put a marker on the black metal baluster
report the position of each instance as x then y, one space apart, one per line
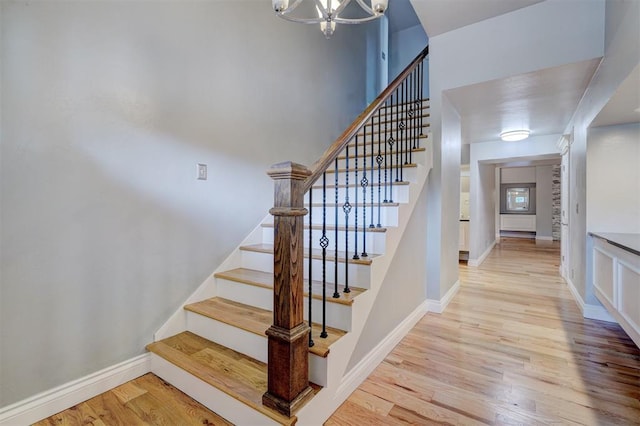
390 142
398 122
422 133
346 208
373 133
336 295
379 160
386 135
363 183
355 252
324 243
311 342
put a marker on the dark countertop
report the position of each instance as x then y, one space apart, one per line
628 242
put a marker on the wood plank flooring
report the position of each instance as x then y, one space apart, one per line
511 348
147 400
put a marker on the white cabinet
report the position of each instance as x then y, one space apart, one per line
518 222
616 282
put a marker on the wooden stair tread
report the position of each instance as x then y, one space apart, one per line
233 373
265 280
328 227
257 321
315 253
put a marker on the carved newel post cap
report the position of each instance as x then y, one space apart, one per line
289 170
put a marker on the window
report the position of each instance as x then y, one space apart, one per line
517 199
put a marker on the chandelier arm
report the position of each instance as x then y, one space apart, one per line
366 7
340 8
354 21
302 20
290 9
323 11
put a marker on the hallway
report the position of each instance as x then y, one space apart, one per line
511 348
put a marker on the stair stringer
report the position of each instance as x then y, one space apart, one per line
177 322
340 383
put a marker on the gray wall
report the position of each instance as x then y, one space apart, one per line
544 202
108 106
404 46
403 289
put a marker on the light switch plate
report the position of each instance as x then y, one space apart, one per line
202 172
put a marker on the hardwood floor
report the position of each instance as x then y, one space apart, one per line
147 400
511 348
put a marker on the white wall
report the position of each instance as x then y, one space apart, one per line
613 179
506 45
621 56
518 175
403 289
107 108
444 203
544 202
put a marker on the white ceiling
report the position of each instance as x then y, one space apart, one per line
542 101
624 106
440 16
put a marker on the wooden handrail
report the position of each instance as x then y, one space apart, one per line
320 166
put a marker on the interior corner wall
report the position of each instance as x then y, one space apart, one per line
544 202
393 306
483 194
444 200
107 108
404 46
621 56
613 179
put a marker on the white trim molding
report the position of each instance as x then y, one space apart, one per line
365 367
438 306
55 400
594 312
477 262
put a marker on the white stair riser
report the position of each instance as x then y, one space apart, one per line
388 216
375 240
408 174
338 315
396 193
359 275
247 343
392 115
214 399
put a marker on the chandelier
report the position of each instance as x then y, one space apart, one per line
329 12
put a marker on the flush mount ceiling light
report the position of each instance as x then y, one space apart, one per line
329 12
514 135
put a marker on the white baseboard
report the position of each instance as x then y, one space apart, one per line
365 367
55 400
595 312
544 238
438 306
477 262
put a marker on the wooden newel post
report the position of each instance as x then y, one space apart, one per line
288 363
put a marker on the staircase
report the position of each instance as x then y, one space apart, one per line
216 348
